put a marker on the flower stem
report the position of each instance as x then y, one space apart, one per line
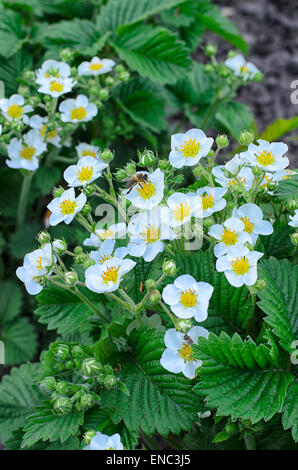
23 200
250 442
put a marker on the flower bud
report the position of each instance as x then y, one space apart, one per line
67 55
43 237
109 381
208 222
147 158
164 164
259 77
78 351
88 436
109 81
154 297
257 171
88 262
150 284
210 49
232 54
78 250
130 169
124 76
61 351
33 100
103 94
59 246
63 405
85 402
58 191
48 383
292 204
246 138
107 155
222 141
260 284
119 68
71 278
89 190
23 90
86 209
62 388
120 175
169 268
183 324
107 370
91 367
231 428
271 185
29 76
69 365
294 238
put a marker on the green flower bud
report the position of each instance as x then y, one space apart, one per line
249 246
103 94
88 262
78 351
209 68
120 175
109 81
86 209
61 352
23 90
164 165
80 258
294 238
109 381
69 365
62 388
257 171
85 402
183 324
259 77
48 383
119 68
67 55
124 76
33 100
63 405
78 250
154 297
58 191
232 54
292 204
107 155
271 185
88 436
260 284
169 268
211 49
91 367
147 158
150 284
89 190
107 370
71 278
246 138
59 246
130 169
231 428
29 76
43 237
208 222
222 141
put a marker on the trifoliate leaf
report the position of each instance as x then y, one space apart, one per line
11 32
290 411
279 300
240 379
287 189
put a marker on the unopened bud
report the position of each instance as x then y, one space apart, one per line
292 204
260 284
147 158
91 367
89 190
59 246
154 297
231 428
33 100
130 169
88 262
109 81
120 175
23 90
169 268
88 436
246 138
208 222
48 383
164 164
183 324
124 76
62 388
71 278
150 284
67 54
210 49
58 191
63 405
43 237
259 77
257 170
86 209
109 381
103 94
107 155
222 141
61 351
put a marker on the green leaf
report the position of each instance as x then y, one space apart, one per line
279 300
290 411
143 102
278 244
162 402
62 310
229 308
45 180
225 116
196 89
124 12
10 301
24 240
18 395
221 437
279 128
44 425
240 379
10 71
11 33
287 189
153 52
211 18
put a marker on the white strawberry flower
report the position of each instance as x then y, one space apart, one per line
147 231
182 207
40 123
77 110
106 277
252 217
239 266
52 70
241 67
96 66
188 298
294 219
87 169
230 234
178 357
36 264
14 108
112 232
212 199
147 194
56 86
106 251
233 172
104 442
86 150
24 153
65 207
266 155
188 149
283 175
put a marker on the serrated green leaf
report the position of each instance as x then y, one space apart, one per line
45 180
11 32
18 395
153 52
240 379
45 425
287 189
162 402
196 89
225 116
290 411
279 128
11 69
278 244
123 12
20 341
279 300
10 301
24 240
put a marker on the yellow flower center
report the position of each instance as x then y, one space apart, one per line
242 179
182 211
78 113
107 233
56 86
146 189
110 275
15 111
244 68
186 352
240 266
85 173
188 298
229 237
104 258
95 66
50 135
248 225
39 264
288 175
265 158
207 202
190 148
151 234
267 181
27 152
67 207
233 182
88 153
